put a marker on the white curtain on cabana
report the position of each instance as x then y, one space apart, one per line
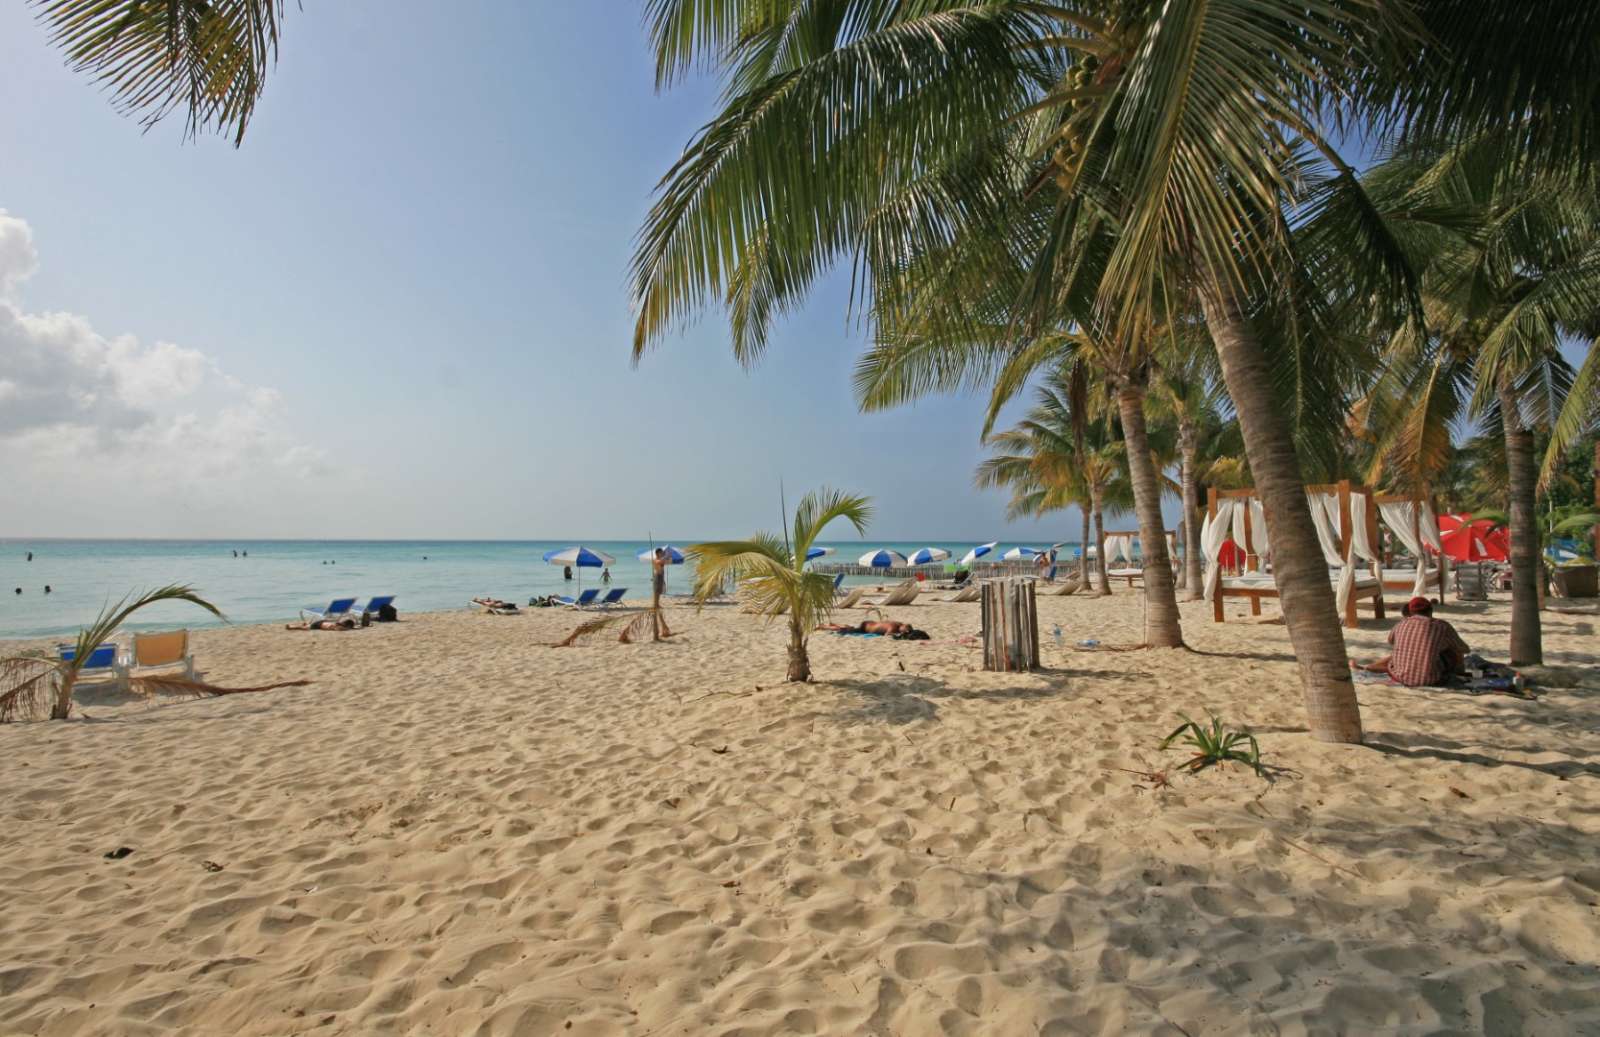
1258 529
1403 521
1428 530
1213 534
1325 514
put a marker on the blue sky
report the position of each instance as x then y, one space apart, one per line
401 308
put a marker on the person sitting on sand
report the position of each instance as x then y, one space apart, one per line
1426 650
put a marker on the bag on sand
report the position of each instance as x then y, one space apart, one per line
388 614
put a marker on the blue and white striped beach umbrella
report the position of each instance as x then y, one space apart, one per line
1019 553
882 558
818 552
926 555
674 556
978 552
583 557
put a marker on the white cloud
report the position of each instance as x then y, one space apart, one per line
156 424
18 259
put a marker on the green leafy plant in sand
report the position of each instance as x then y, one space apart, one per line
1215 744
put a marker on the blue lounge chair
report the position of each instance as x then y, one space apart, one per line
582 601
613 597
338 608
102 664
374 604
838 581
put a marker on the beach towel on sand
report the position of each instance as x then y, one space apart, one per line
1490 683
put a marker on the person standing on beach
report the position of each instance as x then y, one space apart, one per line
658 576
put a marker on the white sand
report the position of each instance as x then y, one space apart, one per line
457 830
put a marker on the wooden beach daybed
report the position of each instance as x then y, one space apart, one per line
1347 542
1121 543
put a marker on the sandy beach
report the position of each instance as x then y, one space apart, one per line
458 830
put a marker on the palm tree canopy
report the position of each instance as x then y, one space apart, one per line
208 57
770 569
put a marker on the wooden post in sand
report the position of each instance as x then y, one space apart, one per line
1010 625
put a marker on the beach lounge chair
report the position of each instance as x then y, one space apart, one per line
904 594
582 601
338 608
373 605
158 651
613 597
851 600
971 592
102 664
838 582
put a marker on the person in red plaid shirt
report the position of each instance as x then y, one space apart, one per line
1426 650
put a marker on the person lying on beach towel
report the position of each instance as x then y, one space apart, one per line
496 606
347 623
886 627
1426 650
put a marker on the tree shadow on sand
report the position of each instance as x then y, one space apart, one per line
907 698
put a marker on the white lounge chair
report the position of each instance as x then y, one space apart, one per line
851 600
904 594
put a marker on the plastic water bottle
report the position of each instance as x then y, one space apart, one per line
1057 633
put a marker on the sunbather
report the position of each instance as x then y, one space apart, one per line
887 627
1426 650
347 623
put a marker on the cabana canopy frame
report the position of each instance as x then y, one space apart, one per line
1264 587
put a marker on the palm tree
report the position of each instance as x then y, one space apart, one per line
208 57
31 682
1515 272
1186 390
1059 456
891 129
772 574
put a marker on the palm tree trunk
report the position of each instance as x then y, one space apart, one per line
799 661
1188 450
1100 542
61 709
1083 553
1301 573
1527 648
1162 628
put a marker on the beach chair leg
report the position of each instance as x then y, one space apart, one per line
1255 604
1216 607
1350 620
1378 605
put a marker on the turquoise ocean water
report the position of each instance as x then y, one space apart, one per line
272 580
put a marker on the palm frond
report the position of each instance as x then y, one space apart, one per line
27 687
209 57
